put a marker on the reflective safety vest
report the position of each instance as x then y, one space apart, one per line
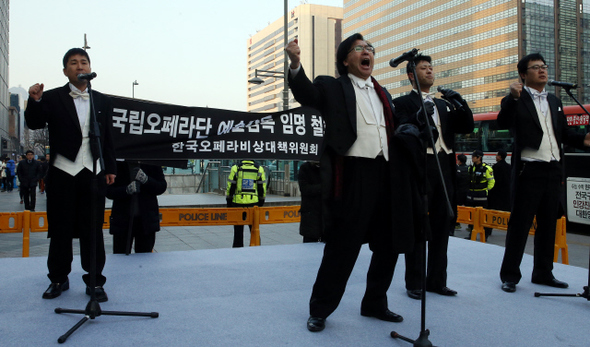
481 177
246 183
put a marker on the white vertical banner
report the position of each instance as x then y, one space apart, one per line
578 200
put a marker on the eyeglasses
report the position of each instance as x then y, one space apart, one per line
538 67
360 48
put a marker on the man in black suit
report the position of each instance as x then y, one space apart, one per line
66 112
539 127
357 164
29 173
449 120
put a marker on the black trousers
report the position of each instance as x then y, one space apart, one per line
29 197
142 242
363 215
537 192
440 223
68 215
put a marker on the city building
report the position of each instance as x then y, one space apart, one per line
318 29
475 45
4 94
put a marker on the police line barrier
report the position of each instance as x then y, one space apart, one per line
481 218
26 222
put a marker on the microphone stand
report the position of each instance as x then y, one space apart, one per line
422 340
586 293
93 308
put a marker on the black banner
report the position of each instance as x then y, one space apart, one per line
149 130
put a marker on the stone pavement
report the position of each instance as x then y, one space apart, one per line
210 237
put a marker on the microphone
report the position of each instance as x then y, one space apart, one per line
453 101
565 85
406 56
86 76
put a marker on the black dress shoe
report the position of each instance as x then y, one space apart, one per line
415 293
552 283
443 291
54 290
385 315
509 287
101 295
316 324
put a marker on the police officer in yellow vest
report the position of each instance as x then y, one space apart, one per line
481 180
246 187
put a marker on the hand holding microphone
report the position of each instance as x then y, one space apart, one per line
452 96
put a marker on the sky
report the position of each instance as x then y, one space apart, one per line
183 52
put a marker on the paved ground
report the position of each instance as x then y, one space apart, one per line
210 237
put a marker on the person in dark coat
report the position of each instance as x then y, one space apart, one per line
359 164
29 174
310 185
135 206
499 196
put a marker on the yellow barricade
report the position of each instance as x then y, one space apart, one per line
480 218
11 222
26 222
206 216
561 242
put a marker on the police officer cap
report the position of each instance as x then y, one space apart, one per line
477 153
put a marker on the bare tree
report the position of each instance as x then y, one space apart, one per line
38 141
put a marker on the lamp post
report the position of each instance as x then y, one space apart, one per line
278 74
133 88
274 74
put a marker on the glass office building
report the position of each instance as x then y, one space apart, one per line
475 45
318 29
4 94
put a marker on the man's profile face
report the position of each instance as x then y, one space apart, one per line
77 64
425 74
360 64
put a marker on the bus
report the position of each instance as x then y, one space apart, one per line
488 138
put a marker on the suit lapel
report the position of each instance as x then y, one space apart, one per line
68 102
441 107
349 99
527 100
554 113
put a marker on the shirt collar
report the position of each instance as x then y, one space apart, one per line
361 83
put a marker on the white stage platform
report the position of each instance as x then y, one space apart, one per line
258 296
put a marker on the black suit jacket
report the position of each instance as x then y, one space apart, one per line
57 111
147 199
452 121
336 100
520 116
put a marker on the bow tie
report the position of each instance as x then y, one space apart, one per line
537 94
426 95
365 84
76 94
